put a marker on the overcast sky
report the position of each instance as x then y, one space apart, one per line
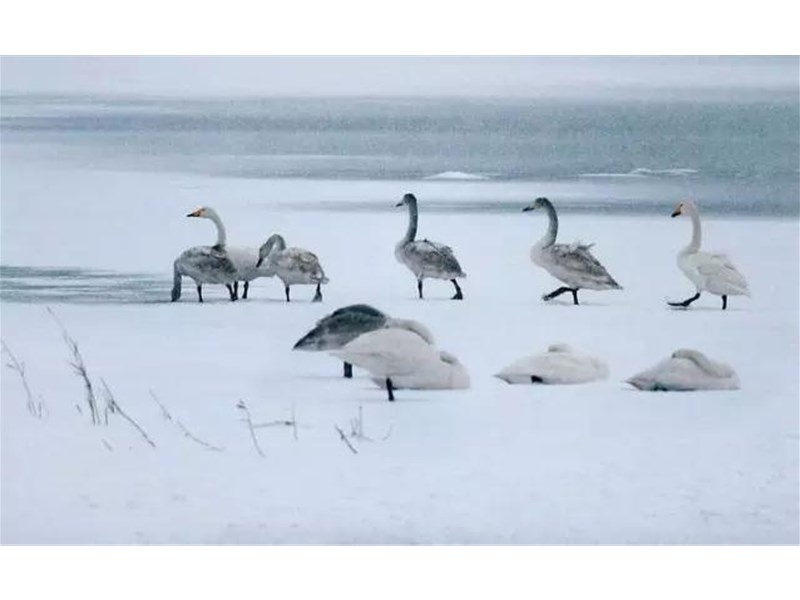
392 76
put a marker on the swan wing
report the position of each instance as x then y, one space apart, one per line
575 264
554 368
208 264
301 262
388 352
433 257
719 274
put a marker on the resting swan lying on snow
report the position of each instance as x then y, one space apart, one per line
347 323
398 355
559 365
686 370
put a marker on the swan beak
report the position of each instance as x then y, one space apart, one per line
676 212
399 204
260 260
197 213
528 208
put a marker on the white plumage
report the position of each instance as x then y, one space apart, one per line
686 370
559 365
713 273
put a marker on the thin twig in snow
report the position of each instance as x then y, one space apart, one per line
182 427
243 407
345 440
116 408
36 410
79 367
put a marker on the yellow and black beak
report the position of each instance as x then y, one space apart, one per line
197 213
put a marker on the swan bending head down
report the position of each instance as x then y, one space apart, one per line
686 370
292 265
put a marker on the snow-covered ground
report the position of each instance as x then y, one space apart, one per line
595 463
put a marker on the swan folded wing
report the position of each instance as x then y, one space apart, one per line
577 265
434 258
720 276
210 264
301 261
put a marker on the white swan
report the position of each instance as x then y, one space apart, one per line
684 371
559 365
292 265
347 323
712 273
205 264
571 263
245 259
392 354
426 258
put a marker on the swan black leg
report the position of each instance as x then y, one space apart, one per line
286 289
419 288
685 303
318 295
459 295
234 296
562 290
236 287
724 301
390 389
574 296
246 287
199 293
348 370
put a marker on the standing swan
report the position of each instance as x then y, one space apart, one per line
686 371
423 257
292 265
713 273
392 354
347 323
245 259
205 264
571 263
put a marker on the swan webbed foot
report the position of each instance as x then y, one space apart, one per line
317 295
390 389
458 295
562 290
348 370
684 303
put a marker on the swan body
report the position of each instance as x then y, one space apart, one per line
713 273
205 264
292 265
424 258
559 365
572 264
686 370
347 323
391 354
245 259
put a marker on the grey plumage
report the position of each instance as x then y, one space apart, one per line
342 326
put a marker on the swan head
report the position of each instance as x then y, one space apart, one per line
538 203
204 212
683 208
275 240
407 199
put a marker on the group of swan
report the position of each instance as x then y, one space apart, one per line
228 265
400 353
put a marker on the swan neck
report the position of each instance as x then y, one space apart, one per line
694 244
413 218
552 228
222 237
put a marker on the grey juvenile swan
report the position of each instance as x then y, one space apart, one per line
571 263
426 258
205 264
292 265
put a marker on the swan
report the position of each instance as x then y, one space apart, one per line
571 263
205 264
423 257
347 323
245 259
391 354
559 365
712 273
684 371
292 265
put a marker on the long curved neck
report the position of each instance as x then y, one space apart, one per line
552 229
694 245
221 235
413 217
